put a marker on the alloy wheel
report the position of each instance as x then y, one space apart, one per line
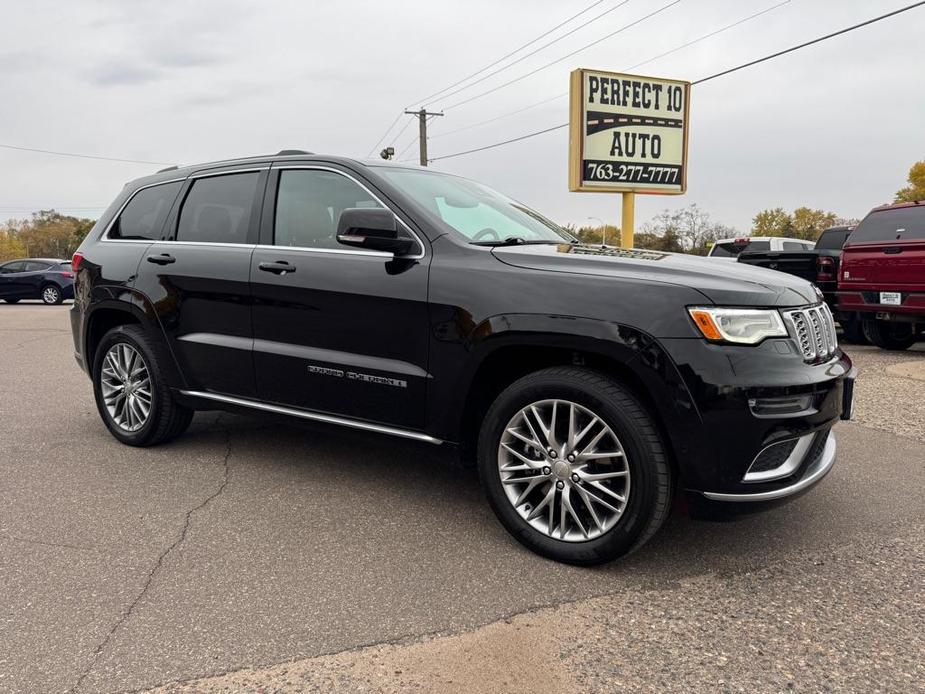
126 387
50 295
564 470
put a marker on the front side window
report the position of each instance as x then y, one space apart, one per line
308 206
477 212
143 217
217 209
36 266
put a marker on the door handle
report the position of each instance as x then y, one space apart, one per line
163 259
893 250
280 268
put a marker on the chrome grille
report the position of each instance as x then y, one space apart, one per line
814 330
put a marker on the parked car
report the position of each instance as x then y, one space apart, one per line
47 279
882 281
819 265
729 249
590 384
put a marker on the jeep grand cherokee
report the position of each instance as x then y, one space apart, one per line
591 384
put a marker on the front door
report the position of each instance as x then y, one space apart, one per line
197 280
12 279
337 330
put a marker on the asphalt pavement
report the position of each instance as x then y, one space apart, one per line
253 555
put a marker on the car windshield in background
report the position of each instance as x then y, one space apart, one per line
898 224
475 211
832 240
731 250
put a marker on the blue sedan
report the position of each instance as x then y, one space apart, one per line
47 279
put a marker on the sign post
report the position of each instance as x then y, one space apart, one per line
627 134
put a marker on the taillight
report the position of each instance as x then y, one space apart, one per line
825 269
75 263
65 273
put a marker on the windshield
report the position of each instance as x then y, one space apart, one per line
475 211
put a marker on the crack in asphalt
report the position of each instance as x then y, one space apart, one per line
101 647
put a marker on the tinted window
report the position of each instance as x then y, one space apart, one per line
308 207
900 224
793 246
217 209
36 266
16 266
731 249
143 217
833 240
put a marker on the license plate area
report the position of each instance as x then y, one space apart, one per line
891 298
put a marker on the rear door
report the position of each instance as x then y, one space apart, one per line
887 251
197 278
344 331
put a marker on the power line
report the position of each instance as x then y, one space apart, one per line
564 57
710 77
84 156
384 135
508 55
533 52
631 67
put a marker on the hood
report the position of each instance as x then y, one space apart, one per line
729 284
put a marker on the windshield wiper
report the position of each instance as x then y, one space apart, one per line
516 241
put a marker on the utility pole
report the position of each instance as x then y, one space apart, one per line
422 131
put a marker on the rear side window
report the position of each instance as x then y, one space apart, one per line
900 224
143 217
217 209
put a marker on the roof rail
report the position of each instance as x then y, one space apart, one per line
168 168
285 152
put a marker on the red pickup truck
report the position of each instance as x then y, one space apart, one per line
882 276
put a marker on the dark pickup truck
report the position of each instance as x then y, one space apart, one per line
819 266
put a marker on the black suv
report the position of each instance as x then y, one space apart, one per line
589 383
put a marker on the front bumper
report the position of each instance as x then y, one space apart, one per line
750 400
814 471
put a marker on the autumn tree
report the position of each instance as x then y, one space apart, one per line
773 222
690 228
802 223
10 247
49 234
916 188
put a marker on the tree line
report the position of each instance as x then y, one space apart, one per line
47 234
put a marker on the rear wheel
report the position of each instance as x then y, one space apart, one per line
889 335
51 294
573 466
853 331
131 393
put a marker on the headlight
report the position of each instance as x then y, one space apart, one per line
746 326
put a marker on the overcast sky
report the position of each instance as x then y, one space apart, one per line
835 126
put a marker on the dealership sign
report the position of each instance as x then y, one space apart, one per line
628 133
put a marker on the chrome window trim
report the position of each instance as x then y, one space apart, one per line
223 172
220 244
305 249
313 167
105 235
315 416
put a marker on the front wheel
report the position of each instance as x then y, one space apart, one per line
51 295
574 466
132 396
888 335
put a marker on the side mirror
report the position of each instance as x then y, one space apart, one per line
373 229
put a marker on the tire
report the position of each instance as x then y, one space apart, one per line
647 478
853 331
888 335
52 295
12 301
165 418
